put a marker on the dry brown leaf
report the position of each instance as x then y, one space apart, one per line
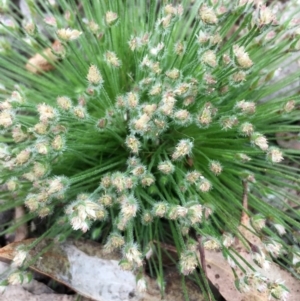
288 140
33 291
21 232
220 273
42 62
221 276
84 267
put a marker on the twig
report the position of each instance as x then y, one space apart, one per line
22 230
244 216
202 259
202 255
165 246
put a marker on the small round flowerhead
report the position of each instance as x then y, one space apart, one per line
94 76
18 277
18 134
133 144
289 106
155 90
274 248
105 182
4 151
155 67
215 167
132 254
58 185
23 157
212 244
79 112
120 181
247 107
182 149
79 224
173 74
141 124
166 167
58 143
12 184
265 16
228 122
209 58
188 262
182 117
112 59
160 209
132 100
19 257
207 15
147 217
6 118
30 28
156 50
259 258
114 241
242 57
278 291
246 129
141 285
134 43
260 140
243 157
205 117
129 207
149 109
42 147
64 102
31 202
209 79
40 170
164 23
238 77
68 34
139 171
228 239
176 212
106 200
258 221
93 27
194 214
179 48
111 18
192 177
280 229
44 211
204 185
182 89
274 154
47 113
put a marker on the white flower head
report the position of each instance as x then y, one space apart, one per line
188 262
111 18
260 140
19 257
182 149
68 34
274 154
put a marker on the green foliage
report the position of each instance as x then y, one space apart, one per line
150 120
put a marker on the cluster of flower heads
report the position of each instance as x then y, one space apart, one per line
276 289
164 119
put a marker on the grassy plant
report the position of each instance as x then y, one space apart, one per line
139 121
